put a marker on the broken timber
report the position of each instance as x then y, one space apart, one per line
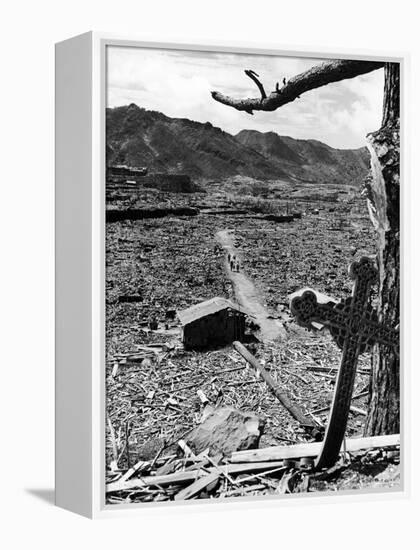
309 450
187 477
297 413
198 486
241 462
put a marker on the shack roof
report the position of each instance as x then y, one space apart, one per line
209 307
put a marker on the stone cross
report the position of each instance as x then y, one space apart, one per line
355 327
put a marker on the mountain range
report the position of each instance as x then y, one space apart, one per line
140 137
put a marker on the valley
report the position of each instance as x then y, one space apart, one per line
170 263
292 214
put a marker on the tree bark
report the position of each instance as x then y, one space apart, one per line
384 209
319 75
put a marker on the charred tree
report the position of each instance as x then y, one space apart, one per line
320 75
384 209
383 205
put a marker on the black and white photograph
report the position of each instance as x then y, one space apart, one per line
209 275
252 275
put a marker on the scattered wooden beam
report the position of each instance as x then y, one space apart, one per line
312 449
114 444
252 461
196 487
319 368
358 410
188 477
140 465
281 396
186 449
326 409
115 369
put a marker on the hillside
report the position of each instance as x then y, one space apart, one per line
309 160
139 137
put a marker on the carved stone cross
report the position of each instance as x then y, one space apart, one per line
355 327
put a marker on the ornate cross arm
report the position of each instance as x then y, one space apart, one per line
320 75
354 325
307 310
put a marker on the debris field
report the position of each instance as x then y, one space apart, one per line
158 393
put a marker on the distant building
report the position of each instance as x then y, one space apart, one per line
213 323
171 183
126 171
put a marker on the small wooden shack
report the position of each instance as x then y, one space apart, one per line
213 323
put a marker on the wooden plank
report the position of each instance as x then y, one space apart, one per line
196 487
313 449
188 477
129 473
326 409
177 477
319 368
281 396
358 410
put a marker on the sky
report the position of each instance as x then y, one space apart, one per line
178 84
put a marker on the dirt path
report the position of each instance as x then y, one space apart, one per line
247 295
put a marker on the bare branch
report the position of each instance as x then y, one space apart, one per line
320 75
253 76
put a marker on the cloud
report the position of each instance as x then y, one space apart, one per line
178 83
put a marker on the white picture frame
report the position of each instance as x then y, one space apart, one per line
80 269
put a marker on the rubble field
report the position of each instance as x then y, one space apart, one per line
155 267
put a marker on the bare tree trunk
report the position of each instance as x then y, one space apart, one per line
383 204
